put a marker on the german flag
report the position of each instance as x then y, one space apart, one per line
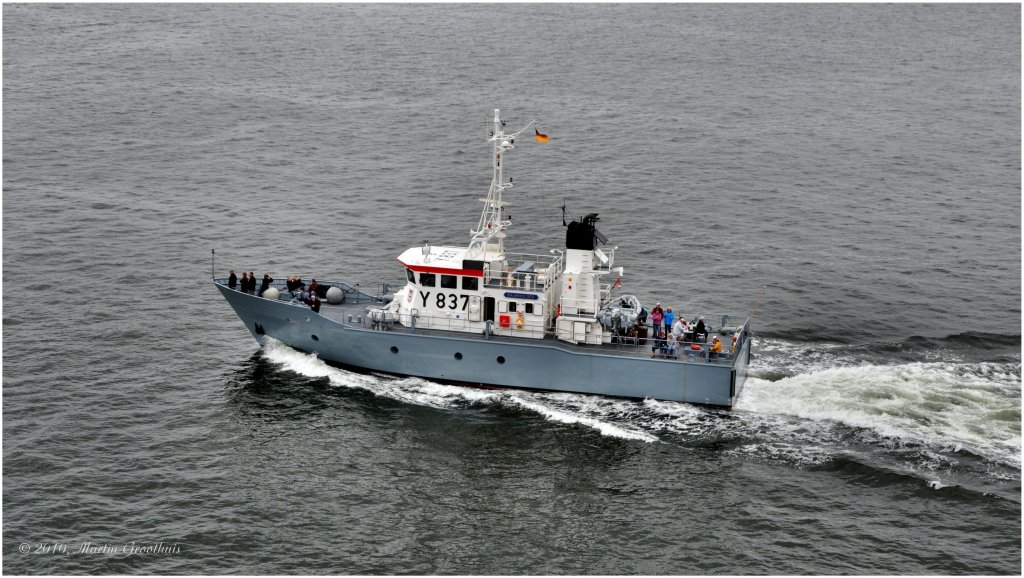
540 137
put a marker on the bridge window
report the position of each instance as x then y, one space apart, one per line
427 280
410 275
449 282
470 283
512 306
529 308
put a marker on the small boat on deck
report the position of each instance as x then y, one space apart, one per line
478 315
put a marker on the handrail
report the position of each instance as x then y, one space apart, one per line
282 287
582 306
623 344
546 269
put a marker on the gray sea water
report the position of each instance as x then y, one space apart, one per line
848 173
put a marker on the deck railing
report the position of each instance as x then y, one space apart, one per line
352 294
622 344
525 272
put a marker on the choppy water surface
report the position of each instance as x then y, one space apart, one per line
851 174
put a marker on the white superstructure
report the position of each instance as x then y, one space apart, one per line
480 288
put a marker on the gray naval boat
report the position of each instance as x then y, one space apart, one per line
477 315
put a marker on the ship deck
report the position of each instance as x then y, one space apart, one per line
352 312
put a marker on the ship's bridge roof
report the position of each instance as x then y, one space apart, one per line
446 260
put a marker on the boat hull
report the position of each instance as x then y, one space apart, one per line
503 362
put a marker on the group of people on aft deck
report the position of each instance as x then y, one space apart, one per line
671 333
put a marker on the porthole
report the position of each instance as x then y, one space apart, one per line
501 359
458 355
315 338
394 349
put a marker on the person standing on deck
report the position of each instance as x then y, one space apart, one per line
669 318
232 280
657 316
252 282
267 280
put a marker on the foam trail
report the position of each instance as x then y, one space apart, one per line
311 366
941 405
426 393
567 417
911 418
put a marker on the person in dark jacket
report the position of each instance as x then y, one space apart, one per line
232 280
267 280
659 345
295 282
314 302
700 332
252 282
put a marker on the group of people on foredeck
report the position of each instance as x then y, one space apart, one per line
248 282
310 297
294 283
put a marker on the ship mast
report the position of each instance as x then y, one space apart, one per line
489 234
